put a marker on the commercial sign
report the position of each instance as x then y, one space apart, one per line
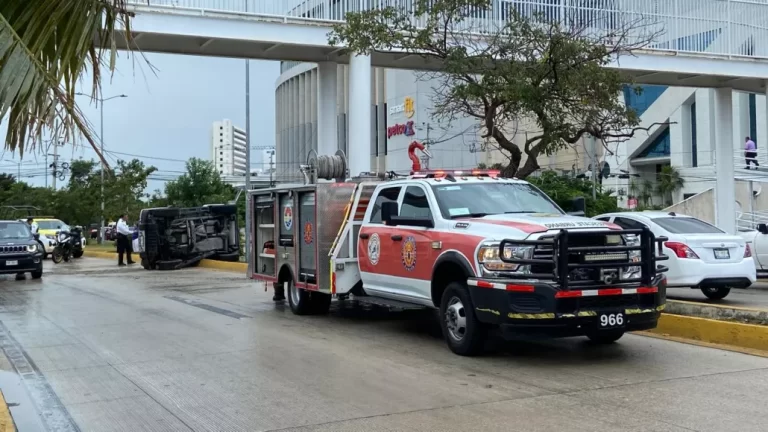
405 107
401 129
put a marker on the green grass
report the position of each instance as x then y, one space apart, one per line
106 246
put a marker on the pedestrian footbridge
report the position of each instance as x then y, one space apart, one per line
721 44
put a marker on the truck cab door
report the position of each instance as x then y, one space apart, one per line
412 244
374 246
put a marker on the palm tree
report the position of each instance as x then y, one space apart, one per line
45 48
669 181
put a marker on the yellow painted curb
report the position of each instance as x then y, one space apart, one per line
211 264
6 421
735 334
224 265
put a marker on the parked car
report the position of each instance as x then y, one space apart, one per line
19 250
701 255
757 239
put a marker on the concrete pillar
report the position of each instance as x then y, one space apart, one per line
359 114
725 185
327 122
381 122
705 126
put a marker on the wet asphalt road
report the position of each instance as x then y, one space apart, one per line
96 348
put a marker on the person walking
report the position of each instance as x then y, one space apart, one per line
750 152
124 240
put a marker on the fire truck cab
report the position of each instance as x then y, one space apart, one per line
487 252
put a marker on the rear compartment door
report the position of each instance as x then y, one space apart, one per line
308 239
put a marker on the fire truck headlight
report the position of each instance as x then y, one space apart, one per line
488 256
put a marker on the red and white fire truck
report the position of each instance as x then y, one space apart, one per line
488 252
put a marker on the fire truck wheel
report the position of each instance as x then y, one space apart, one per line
464 334
605 337
299 300
321 303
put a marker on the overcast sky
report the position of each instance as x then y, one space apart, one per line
167 115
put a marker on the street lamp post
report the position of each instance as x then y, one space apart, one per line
101 145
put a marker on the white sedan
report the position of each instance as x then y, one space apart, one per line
700 255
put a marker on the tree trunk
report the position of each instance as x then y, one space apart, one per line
531 166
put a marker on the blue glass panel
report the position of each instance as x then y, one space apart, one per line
753 117
694 145
658 148
641 102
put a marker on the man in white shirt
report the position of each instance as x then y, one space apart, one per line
32 225
124 235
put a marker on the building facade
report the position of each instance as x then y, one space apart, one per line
401 113
228 149
684 138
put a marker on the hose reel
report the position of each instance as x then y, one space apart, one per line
327 167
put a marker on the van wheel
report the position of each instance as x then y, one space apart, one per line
299 299
321 302
716 293
463 333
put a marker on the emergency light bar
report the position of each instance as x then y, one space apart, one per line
454 173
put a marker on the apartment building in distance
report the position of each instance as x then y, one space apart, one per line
228 149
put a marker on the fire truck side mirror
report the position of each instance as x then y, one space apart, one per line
579 207
388 210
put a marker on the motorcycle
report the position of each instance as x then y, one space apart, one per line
69 244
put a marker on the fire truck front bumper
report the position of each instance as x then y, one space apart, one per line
541 309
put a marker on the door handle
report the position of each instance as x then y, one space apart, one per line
364 236
396 237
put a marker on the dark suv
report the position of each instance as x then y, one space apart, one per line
19 250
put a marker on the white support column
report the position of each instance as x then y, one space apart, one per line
327 122
359 154
725 185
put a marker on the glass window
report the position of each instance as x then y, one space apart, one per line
604 219
14 230
627 223
388 194
483 199
687 225
415 203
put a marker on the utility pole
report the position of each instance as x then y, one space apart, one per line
55 161
593 155
247 156
427 143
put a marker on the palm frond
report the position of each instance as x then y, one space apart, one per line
45 48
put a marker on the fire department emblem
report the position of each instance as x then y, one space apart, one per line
408 253
374 249
288 218
308 233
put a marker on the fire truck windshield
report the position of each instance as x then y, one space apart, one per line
483 199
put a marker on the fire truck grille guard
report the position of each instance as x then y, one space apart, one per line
590 259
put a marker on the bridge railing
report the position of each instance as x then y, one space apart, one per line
722 27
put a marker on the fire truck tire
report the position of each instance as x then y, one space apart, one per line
321 302
298 300
605 337
463 333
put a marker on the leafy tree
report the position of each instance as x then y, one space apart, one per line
45 48
549 71
200 185
563 190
